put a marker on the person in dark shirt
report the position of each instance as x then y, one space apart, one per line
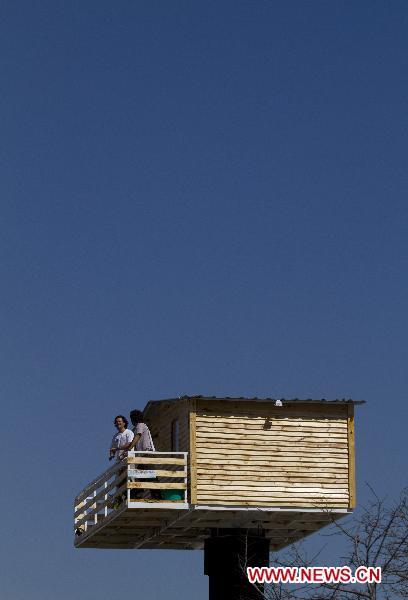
142 440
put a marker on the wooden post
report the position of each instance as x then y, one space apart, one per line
351 457
227 554
193 457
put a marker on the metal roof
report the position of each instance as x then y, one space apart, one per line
256 399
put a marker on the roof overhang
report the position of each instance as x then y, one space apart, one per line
254 399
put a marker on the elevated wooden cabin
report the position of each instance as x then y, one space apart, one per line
285 467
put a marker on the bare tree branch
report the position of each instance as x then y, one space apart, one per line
378 537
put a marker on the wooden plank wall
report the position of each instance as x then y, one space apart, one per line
159 419
256 454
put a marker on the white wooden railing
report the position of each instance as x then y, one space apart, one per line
148 479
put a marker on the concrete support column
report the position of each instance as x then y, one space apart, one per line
227 554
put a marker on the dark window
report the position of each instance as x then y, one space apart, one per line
175 435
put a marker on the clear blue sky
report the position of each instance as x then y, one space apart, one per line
196 197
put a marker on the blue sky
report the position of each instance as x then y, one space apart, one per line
195 198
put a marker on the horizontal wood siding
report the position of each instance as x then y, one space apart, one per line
257 454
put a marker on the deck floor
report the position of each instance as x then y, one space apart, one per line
180 526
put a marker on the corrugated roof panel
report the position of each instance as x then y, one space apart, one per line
256 399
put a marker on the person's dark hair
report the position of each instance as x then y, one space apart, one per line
126 422
136 416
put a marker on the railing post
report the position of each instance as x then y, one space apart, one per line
127 481
95 507
86 520
185 477
106 500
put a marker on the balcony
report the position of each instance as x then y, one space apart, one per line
144 488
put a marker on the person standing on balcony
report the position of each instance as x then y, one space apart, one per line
142 440
118 449
121 440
